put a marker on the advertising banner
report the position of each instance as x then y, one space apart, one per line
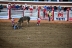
70 15
60 16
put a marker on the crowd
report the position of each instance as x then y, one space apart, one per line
26 6
18 6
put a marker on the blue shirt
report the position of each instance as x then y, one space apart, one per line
45 7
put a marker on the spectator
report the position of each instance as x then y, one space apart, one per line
13 6
65 8
55 8
36 8
59 8
17 6
49 15
20 6
45 7
1 7
71 8
9 4
26 7
44 13
31 8
50 8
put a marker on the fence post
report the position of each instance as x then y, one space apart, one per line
23 10
38 11
67 14
9 11
52 14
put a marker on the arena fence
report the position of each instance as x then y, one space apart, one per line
38 3
17 13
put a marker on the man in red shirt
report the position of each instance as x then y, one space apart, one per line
44 12
38 21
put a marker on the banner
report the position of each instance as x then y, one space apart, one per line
70 15
60 16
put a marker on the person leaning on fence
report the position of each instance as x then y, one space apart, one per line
8 5
31 8
26 6
49 15
71 8
1 7
59 8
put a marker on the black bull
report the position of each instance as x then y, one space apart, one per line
25 18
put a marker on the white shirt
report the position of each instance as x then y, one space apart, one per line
71 8
31 6
38 19
12 19
25 5
8 6
36 7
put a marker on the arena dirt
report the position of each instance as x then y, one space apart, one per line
47 35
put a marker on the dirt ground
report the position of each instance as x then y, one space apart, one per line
52 34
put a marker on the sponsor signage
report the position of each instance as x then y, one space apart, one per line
70 15
60 16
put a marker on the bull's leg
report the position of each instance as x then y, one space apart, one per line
28 23
18 25
21 24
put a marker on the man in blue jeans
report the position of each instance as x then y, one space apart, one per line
49 15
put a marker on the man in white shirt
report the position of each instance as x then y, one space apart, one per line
8 5
26 7
31 8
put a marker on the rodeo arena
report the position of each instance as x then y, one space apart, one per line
35 24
